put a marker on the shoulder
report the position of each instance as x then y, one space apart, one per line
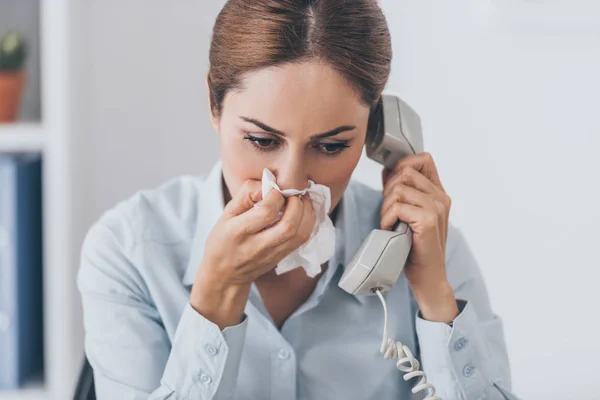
166 213
151 222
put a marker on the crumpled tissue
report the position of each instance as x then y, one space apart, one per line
321 245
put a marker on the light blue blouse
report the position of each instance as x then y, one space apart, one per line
144 341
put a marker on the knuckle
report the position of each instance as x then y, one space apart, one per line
263 212
406 177
431 220
440 207
286 229
233 231
398 191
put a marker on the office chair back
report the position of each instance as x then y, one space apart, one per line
85 385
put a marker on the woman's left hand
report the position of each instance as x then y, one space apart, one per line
413 193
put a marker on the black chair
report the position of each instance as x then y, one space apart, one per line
85 385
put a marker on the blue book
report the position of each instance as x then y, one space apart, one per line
21 316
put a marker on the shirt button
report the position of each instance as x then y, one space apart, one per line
468 370
210 349
460 344
206 379
284 354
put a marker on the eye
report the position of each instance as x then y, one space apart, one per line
260 143
332 148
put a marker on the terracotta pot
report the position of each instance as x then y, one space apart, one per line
11 87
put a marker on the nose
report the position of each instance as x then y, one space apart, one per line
291 175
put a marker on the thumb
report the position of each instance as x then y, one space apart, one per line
244 199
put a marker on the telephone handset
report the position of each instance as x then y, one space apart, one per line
394 132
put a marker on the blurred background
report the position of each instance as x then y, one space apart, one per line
99 99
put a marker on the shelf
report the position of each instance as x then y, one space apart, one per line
21 137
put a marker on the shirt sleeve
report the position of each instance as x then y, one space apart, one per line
125 342
467 360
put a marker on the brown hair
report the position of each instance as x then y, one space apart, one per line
350 35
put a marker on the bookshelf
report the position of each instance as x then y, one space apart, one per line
22 137
52 137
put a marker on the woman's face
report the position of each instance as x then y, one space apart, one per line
301 120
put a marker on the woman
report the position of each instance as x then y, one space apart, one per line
180 296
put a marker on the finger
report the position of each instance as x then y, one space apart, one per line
422 162
307 224
411 177
416 217
406 194
244 199
443 214
303 234
286 227
261 215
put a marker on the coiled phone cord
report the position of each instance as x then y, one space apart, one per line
407 363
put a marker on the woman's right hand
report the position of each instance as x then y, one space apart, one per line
239 249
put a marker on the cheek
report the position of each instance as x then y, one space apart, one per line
239 163
338 175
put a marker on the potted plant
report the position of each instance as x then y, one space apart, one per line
12 75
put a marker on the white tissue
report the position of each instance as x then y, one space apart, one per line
320 247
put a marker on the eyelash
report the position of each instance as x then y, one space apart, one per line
255 143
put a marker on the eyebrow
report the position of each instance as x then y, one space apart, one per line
274 131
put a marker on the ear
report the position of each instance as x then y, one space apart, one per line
213 119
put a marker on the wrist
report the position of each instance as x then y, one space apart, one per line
437 303
218 302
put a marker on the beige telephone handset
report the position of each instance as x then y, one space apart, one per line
395 132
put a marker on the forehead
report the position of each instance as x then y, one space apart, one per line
305 96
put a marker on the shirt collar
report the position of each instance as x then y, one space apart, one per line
349 230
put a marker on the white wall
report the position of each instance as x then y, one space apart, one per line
508 94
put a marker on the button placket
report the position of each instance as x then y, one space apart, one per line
460 344
204 378
284 371
284 354
468 370
211 350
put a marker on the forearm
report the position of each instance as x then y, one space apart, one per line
438 303
220 304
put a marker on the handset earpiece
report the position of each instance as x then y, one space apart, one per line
395 132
